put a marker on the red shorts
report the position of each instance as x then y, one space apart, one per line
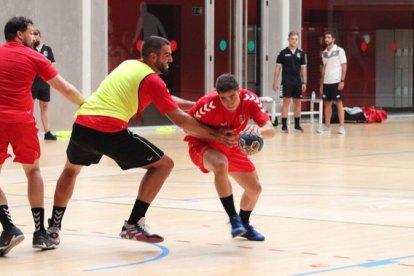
23 139
237 160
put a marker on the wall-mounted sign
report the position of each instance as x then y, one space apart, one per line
197 11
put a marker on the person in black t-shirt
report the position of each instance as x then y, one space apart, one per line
40 89
292 62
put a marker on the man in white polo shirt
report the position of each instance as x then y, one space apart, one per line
332 82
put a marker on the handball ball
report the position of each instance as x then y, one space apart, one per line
250 143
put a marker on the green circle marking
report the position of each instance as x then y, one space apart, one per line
223 45
251 45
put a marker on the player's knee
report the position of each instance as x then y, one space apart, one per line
220 166
44 106
255 189
167 163
33 173
70 172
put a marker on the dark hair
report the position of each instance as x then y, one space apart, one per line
37 31
14 25
226 82
332 33
153 44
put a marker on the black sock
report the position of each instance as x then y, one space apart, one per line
39 218
57 216
139 211
5 217
297 121
245 216
284 122
228 204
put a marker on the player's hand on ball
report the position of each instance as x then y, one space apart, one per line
253 129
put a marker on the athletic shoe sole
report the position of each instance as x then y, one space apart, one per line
143 239
238 233
15 241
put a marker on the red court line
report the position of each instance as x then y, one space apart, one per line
342 257
246 247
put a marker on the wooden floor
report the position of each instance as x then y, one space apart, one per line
331 205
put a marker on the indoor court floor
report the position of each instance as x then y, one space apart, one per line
330 205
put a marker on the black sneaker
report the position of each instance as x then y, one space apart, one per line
275 122
42 240
10 239
299 129
50 136
285 129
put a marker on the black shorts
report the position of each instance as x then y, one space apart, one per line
41 92
291 91
86 146
331 92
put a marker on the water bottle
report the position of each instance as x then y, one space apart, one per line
313 97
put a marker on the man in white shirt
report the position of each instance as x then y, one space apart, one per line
333 82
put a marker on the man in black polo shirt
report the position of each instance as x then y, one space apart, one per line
292 62
40 89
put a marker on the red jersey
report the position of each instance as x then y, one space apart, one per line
210 111
152 90
19 65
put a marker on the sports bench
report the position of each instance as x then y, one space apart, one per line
272 104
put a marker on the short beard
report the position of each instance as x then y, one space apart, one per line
36 44
165 71
162 69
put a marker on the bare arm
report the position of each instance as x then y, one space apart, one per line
67 89
341 85
183 104
266 130
276 76
304 74
322 77
191 125
344 67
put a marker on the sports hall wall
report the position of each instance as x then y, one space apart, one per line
60 23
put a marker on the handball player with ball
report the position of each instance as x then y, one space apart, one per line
231 107
101 128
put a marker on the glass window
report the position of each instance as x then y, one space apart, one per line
180 21
377 36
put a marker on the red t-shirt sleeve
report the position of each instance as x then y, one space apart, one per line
45 68
154 90
256 108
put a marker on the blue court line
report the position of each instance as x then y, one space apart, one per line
219 211
363 265
164 252
100 200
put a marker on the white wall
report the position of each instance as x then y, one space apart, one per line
284 16
60 22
